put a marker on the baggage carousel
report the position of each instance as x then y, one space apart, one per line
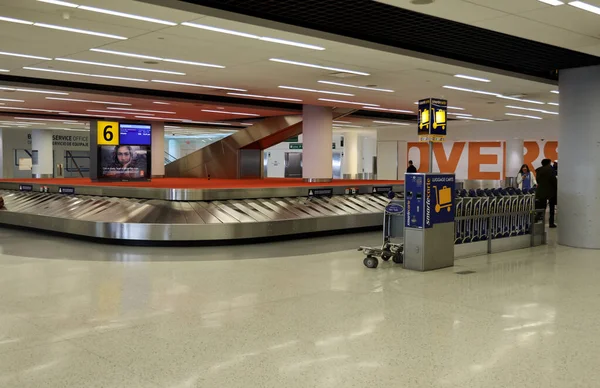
224 216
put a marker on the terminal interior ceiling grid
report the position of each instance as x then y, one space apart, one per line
299 193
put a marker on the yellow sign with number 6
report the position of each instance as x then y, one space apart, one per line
108 133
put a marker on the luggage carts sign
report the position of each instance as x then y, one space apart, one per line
25 187
320 192
439 199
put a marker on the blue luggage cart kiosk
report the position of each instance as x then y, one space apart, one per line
429 221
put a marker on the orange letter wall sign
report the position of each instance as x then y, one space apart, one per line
476 160
448 165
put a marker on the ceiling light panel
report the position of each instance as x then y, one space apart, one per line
472 78
229 113
459 114
356 86
33 91
109 12
585 7
89 101
555 91
388 110
24 56
79 31
532 109
161 103
492 94
452 107
473 118
11 100
265 97
389 122
348 102
552 2
317 66
180 61
119 66
85 74
252 36
198 85
553 103
524 116
88 115
143 110
316 91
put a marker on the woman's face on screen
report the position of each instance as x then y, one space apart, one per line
124 155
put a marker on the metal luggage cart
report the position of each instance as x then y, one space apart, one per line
393 237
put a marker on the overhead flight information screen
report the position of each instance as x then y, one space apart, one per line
135 134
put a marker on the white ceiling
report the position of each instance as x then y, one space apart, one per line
563 26
246 61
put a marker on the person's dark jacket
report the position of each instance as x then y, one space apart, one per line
547 184
411 169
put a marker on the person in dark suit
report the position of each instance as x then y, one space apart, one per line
547 188
411 167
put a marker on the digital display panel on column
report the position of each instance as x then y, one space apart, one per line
124 151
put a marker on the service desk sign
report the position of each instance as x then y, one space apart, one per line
432 119
439 199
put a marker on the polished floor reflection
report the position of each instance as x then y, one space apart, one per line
303 313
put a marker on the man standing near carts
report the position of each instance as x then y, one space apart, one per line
547 189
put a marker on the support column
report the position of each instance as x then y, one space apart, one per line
317 139
515 153
578 142
43 160
158 150
350 163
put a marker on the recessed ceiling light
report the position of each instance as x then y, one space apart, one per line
143 110
91 101
346 126
4 71
33 91
388 110
229 113
106 111
317 66
460 114
472 78
473 118
450 107
198 86
109 12
33 110
356 86
532 109
85 74
555 91
13 20
553 103
88 115
11 100
470 90
520 99
161 103
585 7
252 36
389 122
316 91
347 102
124 54
58 2
342 122
266 97
552 2
24 56
525 116
36 119
79 31
119 66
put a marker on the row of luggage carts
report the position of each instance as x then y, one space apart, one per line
510 210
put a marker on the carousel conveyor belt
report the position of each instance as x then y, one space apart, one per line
142 220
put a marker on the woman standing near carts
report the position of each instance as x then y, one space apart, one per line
525 178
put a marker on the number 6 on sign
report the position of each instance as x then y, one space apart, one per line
108 133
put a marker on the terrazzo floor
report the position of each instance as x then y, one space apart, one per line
302 313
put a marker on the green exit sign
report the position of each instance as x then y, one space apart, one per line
298 146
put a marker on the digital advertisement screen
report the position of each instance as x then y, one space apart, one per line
135 134
124 162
